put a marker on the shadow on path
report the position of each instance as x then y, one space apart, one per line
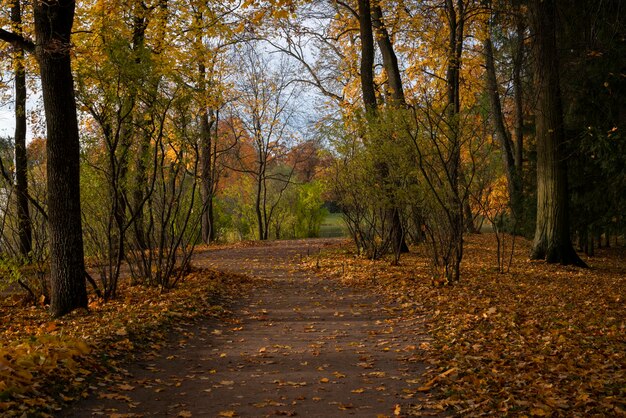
298 345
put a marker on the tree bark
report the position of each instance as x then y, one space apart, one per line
367 56
139 193
390 62
206 177
206 164
502 134
21 160
552 236
518 60
456 22
53 26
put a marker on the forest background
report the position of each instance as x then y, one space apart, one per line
159 126
168 125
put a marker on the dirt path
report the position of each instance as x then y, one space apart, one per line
299 345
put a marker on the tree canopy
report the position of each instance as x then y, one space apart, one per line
194 122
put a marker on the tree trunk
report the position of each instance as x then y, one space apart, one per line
367 56
139 192
456 21
390 62
21 160
518 60
206 157
497 118
258 203
552 237
53 26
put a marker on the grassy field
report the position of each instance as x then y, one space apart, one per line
333 226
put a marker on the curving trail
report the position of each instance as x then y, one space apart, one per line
298 345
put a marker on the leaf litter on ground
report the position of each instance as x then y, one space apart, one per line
45 363
540 340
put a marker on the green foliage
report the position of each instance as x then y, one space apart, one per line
309 210
298 210
374 173
598 179
235 212
594 88
333 226
9 272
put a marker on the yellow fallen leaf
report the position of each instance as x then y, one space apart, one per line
324 380
125 386
397 410
83 347
359 390
185 414
227 414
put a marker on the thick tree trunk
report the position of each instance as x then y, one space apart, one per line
21 160
390 62
552 237
53 25
367 56
518 60
138 192
497 118
206 178
456 21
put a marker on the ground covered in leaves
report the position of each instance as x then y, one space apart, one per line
540 340
297 344
46 363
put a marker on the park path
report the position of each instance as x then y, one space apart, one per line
298 345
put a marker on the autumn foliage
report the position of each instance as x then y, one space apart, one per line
540 340
46 363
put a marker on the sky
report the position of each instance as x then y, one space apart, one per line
7 123
7 118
